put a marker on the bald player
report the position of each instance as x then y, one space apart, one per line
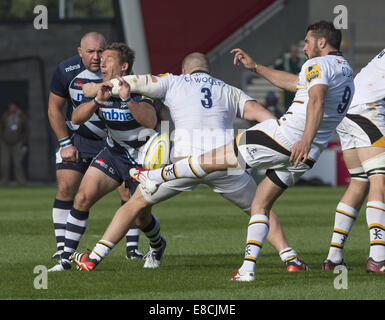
78 144
203 109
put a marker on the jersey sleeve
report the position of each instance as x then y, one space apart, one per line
240 101
140 98
164 80
316 72
58 85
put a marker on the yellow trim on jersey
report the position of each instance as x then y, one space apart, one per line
161 75
298 101
301 88
147 98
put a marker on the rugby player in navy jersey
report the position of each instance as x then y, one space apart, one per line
125 118
78 144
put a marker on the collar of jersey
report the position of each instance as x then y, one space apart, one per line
335 53
200 71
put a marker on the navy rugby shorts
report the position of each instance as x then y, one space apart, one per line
115 168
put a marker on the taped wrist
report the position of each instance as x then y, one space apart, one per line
146 84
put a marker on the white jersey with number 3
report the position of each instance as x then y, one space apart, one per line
203 109
334 72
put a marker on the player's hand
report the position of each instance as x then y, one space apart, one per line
90 89
299 152
241 56
70 154
104 91
124 89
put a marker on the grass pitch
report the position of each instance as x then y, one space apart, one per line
205 241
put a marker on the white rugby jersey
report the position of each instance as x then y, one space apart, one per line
333 71
203 109
370 85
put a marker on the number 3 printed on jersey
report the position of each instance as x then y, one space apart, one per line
207 102
345 100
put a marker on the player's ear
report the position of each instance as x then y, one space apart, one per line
322 42
80 51
125 67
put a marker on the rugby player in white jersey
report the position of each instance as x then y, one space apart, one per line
362 140
287 147
203 109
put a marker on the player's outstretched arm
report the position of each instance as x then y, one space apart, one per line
253 111
281 79
85 111
146 84
314 114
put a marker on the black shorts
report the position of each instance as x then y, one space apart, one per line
115 168
88 149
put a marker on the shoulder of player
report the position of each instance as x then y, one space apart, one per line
71 64
141 98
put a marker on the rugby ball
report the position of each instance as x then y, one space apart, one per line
156 151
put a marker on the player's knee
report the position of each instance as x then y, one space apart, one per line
358 174
144 218
375 166
83 201
138 200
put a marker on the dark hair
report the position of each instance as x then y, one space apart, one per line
126 54
325 29
15 102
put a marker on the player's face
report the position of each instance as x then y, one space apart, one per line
90 53
110 65
311 48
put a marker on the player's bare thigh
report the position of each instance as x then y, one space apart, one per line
68 182
94 185
219 159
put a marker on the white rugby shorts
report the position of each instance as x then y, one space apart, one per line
264 146
363 130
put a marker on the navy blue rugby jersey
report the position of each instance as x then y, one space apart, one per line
125 135
67 82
